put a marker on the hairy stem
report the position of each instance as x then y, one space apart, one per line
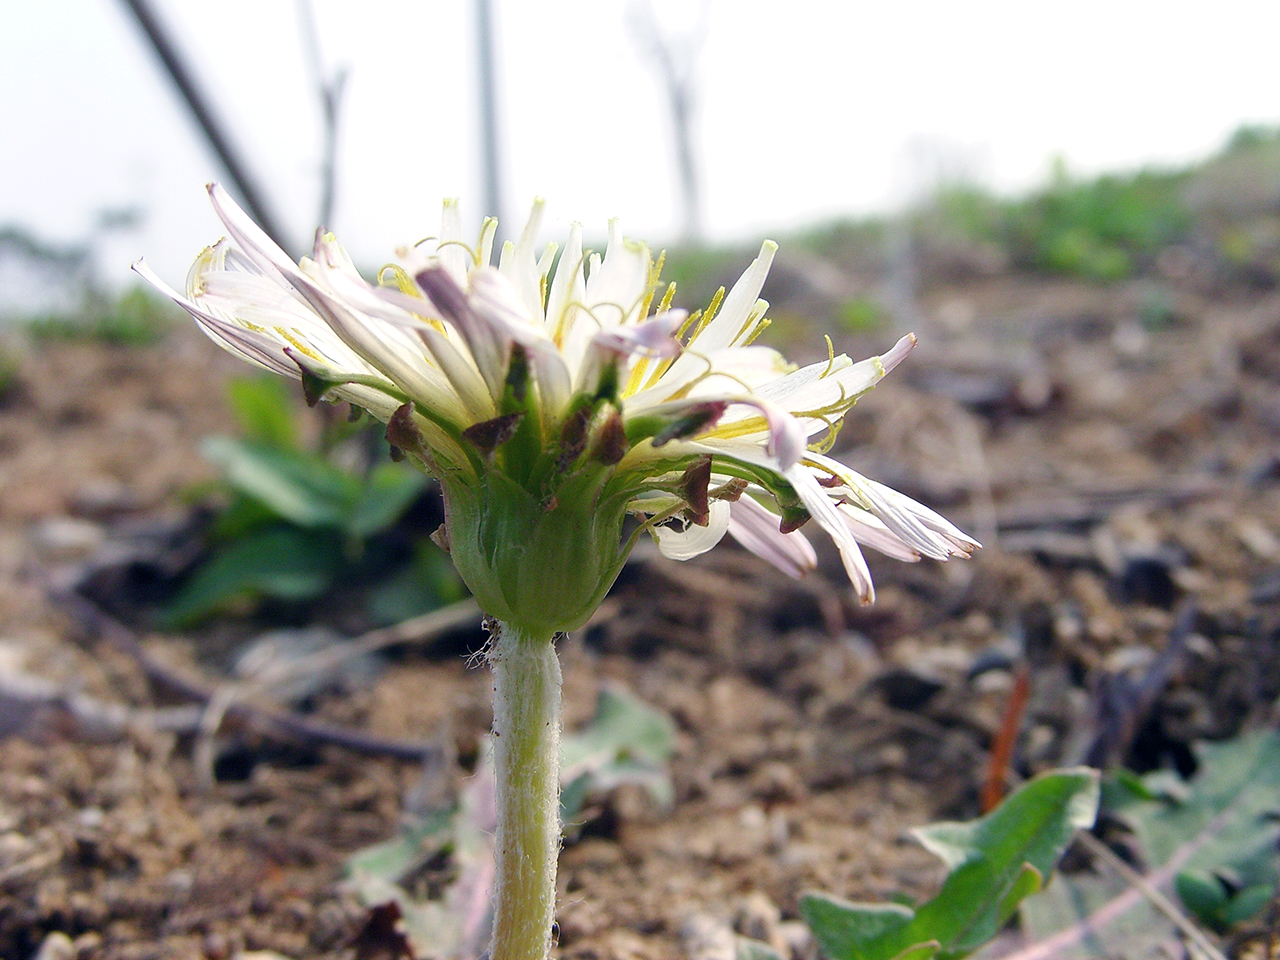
526 751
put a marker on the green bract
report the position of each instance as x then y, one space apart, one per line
544 563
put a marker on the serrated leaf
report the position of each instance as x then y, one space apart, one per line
300 488
1240 778
280 562
994 863
387 494
623 726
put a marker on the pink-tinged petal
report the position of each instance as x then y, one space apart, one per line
913 523
756 528
655 337
898 352
786 441
870 532
246 344
899 515
384 349
496 302
694 540
819 505
490 349
963 545
327 251
251 238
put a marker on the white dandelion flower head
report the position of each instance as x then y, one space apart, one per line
555 397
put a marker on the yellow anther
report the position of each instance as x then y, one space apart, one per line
299 345
761 327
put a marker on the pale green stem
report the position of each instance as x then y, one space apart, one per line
526 754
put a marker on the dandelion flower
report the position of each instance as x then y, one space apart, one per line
553 398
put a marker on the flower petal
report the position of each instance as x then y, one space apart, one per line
824 512
693 540
757 528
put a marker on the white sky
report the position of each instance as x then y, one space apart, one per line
807 110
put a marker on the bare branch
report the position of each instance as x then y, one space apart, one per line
331 89
202 110
675 56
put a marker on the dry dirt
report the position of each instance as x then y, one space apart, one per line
1116 470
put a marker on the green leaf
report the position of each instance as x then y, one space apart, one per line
387 494
1223 821
427 583
243 516
393 860
1246 904
280 562
300 488
845 929
747 949
1240 778
457 924
264 409
627 742
994 863
1201 893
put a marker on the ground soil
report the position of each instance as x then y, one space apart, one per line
1118 466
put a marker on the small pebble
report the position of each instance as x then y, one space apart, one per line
67 538
56 946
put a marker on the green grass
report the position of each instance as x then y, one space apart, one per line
137 318
1103 229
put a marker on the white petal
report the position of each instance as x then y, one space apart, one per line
729 325
615 290
756 528
449 248
824 512
869 531
931 520
257 348
913 523
568 288
252 239
489 346
654 337
694 540
465 378
521 267
496 302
